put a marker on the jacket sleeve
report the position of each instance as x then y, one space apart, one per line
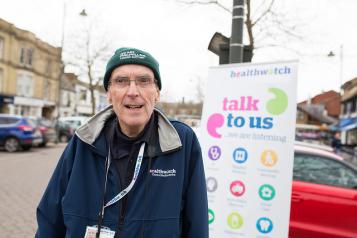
195 211
49 211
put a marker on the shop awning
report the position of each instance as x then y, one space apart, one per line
350 126
347 124
344 124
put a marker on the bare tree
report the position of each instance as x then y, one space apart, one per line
263 22
89 50
199 90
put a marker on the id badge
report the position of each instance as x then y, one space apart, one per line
91 231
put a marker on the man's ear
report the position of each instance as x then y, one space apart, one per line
109 97
157 98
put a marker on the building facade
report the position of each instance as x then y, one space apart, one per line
348 117
68 95
83 99
315 117
29 73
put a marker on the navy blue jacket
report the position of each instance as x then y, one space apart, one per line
158 206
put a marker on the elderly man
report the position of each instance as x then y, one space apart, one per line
129 172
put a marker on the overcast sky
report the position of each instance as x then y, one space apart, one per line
178 36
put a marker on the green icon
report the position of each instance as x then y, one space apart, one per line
235 221
266 192
277 105
210 216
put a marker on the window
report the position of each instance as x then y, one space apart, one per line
22 55
1 79
321 170
24 85
1 48
83 95
300 115
8 120
349 107
26 56
29 56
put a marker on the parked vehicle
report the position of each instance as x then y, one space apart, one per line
65 131
75 121
47 129
18 132
324 195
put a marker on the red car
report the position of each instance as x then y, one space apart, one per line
324 195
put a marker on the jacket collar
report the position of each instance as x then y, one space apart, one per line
168 137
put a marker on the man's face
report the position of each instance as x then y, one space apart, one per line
133 103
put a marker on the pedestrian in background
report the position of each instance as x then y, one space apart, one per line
336 143
129 171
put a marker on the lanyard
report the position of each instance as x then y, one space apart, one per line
131 185
122 193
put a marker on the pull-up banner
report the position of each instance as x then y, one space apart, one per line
247 138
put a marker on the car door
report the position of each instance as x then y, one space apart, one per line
324 198
3 130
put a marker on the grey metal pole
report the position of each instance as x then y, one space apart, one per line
61 75
236 42
341 66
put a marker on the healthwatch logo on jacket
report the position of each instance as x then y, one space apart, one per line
274 106
163 173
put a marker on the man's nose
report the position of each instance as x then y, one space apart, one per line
133 88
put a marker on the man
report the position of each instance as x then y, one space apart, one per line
128 172
336 143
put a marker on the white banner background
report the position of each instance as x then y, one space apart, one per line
249 170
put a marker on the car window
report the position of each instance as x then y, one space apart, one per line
8 120
31 122
2 120
322 170
13 120
46 123
74 123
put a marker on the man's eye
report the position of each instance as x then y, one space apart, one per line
121 80
143 80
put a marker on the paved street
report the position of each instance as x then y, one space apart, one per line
23 178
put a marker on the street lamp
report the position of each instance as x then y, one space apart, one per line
332 54
60 78
83 13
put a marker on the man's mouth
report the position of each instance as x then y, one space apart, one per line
132 106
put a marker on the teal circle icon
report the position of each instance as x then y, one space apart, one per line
266 192
211 216
264 225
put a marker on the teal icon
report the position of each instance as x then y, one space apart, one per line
266 192
264 225
211 216
277 105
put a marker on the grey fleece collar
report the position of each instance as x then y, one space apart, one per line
168 136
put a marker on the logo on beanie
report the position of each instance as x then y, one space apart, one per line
131 55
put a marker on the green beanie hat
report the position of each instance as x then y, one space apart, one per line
124 56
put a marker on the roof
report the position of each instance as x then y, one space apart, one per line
317 112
